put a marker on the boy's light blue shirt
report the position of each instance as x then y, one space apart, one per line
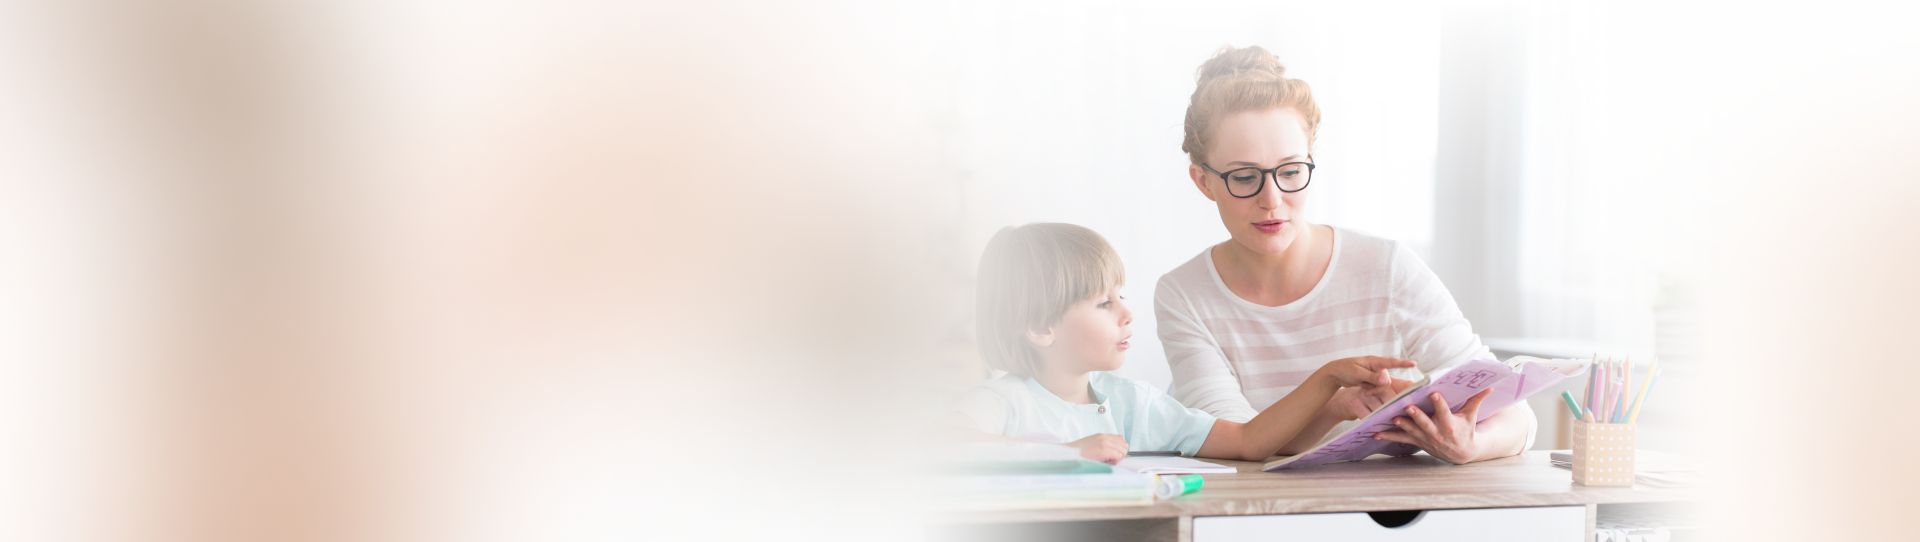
1149 419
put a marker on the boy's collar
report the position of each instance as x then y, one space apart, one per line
1093 392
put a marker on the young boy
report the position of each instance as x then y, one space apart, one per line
1050 314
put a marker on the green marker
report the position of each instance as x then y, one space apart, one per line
1572 405
1170 486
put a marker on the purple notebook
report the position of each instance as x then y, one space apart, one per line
1512 382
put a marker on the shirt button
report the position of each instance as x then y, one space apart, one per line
1103 409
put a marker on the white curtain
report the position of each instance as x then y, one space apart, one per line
1551 226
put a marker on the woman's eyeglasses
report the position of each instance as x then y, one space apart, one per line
1247 182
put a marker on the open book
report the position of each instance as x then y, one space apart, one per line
1512 381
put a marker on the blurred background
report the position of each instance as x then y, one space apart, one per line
435 270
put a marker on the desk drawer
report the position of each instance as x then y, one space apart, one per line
1546 523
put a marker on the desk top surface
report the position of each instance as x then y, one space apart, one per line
1419 482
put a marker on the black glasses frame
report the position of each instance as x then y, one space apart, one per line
1264 174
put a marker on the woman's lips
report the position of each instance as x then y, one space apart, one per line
1126 343
1269 226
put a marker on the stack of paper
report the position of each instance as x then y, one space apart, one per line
1173 465
1025 475
1120 487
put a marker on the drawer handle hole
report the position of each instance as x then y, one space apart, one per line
1397 518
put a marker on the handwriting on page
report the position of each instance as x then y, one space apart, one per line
1474 380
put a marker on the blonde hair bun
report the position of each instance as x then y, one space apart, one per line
1252 62
1243 79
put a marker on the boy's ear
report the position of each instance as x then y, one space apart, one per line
1200 181
1040 338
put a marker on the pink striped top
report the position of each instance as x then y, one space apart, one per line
1233 358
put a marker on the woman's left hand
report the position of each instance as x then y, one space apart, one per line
1446 434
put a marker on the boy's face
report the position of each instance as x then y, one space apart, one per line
1092 335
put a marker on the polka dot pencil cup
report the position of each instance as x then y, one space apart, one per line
1603 454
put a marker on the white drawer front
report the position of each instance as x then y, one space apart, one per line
1537 524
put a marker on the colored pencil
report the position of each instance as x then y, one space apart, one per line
1633 416
1573 406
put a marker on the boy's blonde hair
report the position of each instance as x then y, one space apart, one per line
1029 276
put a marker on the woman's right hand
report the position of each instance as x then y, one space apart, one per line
1104 447
1363 370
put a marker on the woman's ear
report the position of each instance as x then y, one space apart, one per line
1200 181
1040 338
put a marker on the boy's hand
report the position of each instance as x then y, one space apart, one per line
1105 447
1355 402
1363 370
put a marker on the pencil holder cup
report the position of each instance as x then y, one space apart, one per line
1603 454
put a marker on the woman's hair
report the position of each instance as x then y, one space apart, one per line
1243 79
1029 276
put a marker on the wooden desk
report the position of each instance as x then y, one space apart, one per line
1377 485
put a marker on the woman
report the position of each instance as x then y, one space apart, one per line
1246 320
